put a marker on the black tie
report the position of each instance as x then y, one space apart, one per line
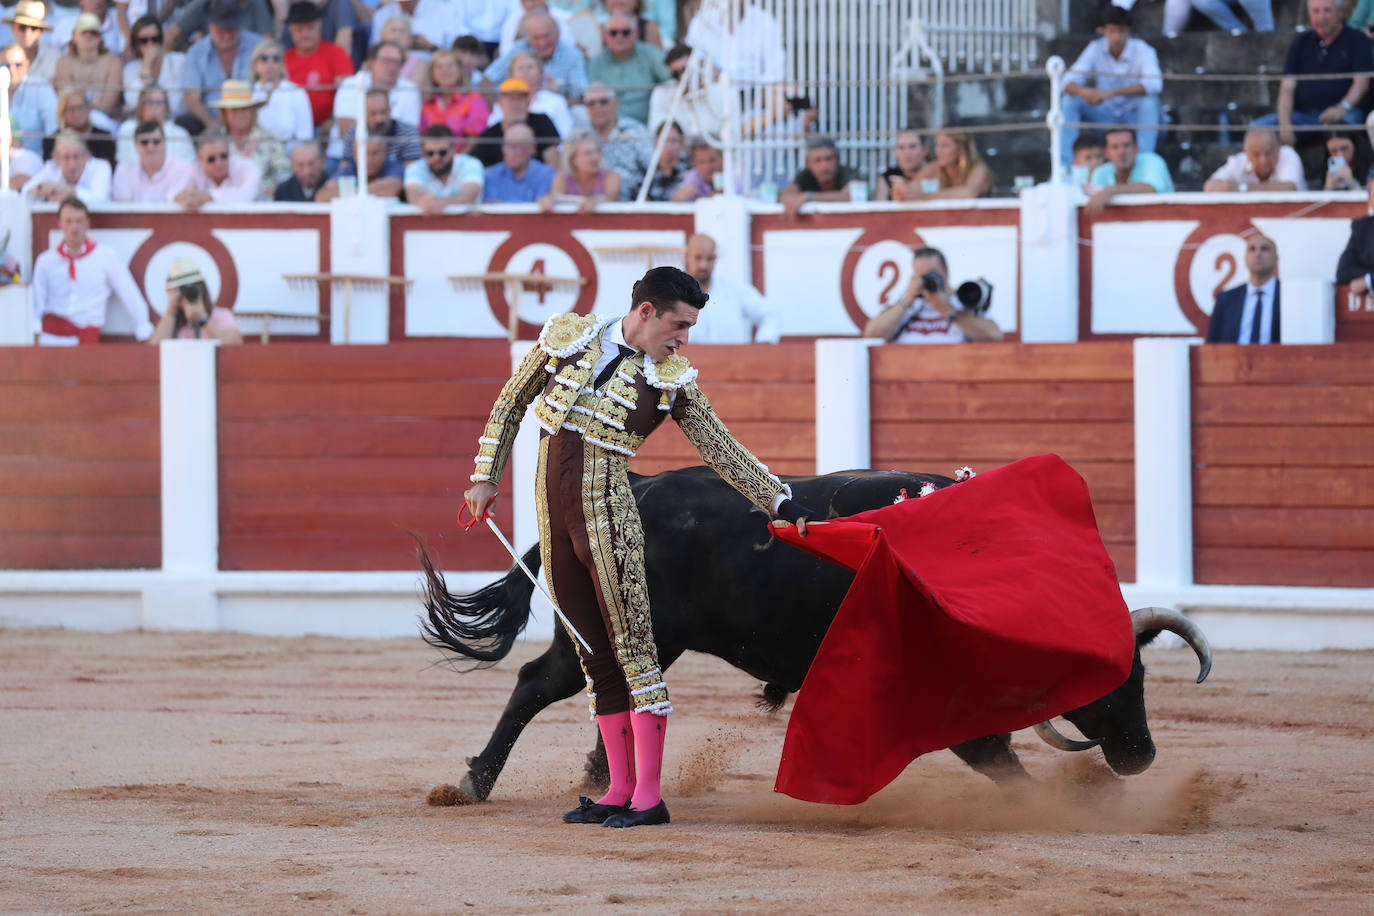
1259 315
611 366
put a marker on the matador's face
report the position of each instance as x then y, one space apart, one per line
660 336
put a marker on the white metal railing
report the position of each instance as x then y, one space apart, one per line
854 61
982 36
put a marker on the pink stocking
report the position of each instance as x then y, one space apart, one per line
649 732
618 736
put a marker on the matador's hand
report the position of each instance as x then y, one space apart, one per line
791 512
478 497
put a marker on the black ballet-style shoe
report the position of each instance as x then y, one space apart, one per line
629 817
589 812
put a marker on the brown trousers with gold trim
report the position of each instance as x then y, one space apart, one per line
592 546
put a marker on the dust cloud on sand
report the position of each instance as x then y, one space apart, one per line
208 772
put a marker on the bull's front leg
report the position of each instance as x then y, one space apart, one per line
992 756
551 677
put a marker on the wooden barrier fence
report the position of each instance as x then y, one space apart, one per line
80 455
935 409
1283 465
329 455
766 395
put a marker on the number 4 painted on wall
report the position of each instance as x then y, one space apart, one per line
540 289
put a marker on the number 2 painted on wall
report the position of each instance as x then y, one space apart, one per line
891 284
1228 261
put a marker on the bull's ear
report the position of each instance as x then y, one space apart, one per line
1146 637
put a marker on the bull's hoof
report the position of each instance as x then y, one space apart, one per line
448 795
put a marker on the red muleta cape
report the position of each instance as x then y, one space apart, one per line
984 607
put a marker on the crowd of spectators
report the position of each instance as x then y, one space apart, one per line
1321 104
575 103
266 77
606 72
156 91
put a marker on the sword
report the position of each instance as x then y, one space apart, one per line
491 523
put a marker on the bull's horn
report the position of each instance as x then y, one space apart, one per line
1052 736
1162 618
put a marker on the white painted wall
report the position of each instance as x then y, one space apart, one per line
1163 463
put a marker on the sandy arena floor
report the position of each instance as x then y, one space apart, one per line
219 772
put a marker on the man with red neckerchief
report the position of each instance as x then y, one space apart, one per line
73 282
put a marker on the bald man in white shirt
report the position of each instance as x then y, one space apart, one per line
739 313
73 282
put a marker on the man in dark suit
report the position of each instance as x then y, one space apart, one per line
1357 261
1249 313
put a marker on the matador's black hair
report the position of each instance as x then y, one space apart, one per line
665 287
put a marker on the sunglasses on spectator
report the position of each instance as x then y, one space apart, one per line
619 33
215 157
150 141
271 58
436 153
150 39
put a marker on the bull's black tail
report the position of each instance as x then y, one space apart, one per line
483 625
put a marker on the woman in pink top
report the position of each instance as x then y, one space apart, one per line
190 314
582 178
451 101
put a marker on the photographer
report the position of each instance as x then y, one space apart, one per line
927 311
190 314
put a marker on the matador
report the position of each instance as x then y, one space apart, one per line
599 387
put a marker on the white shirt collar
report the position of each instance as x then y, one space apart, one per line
1267 288
617 334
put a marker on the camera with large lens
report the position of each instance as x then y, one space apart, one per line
974 296
191 294
932 281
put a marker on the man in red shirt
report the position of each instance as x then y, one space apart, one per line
313 63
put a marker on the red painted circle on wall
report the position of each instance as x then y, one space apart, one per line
195 233
909 239
1230 224
501 258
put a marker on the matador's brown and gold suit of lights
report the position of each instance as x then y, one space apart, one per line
591 541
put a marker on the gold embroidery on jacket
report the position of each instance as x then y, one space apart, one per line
561 368
564 335
732 461
617 546
498 437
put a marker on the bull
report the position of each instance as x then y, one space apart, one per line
721 584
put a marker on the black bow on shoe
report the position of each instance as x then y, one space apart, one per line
629 817
590 812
